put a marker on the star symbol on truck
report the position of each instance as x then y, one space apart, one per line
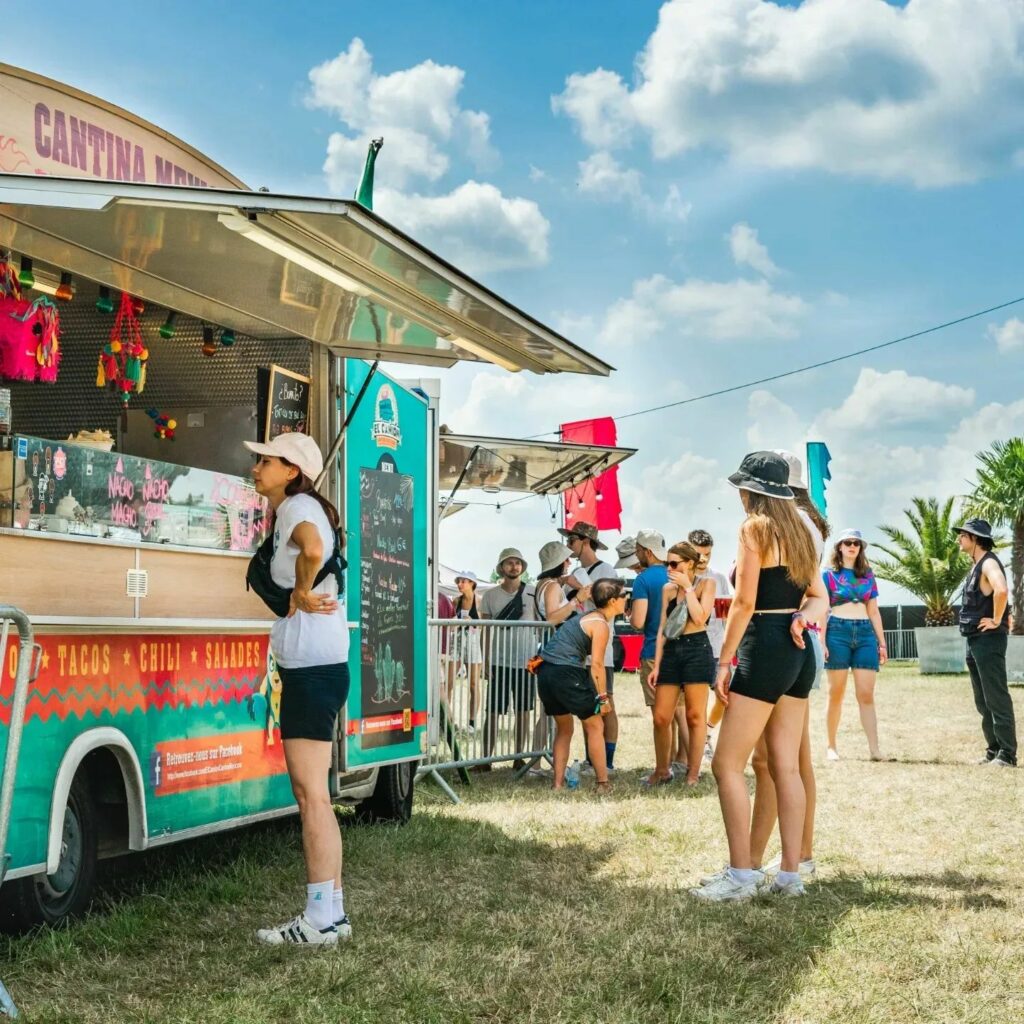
127 657
195 655
45 658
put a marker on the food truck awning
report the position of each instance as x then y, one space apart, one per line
277 266
507 464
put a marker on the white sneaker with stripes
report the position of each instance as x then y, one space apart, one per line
299 932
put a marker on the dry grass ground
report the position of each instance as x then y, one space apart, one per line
522 905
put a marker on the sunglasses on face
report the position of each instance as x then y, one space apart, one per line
674 565
850 543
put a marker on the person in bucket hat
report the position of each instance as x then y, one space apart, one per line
626 550
466 651
583 541
506 651
983 622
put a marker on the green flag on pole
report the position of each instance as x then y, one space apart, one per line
364 194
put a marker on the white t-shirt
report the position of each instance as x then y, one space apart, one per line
816 537
304 639
600 571
715 625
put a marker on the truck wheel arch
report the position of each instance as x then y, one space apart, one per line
131 773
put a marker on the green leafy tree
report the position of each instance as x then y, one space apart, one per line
926 560
999 497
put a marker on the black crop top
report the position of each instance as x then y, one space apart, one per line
775 590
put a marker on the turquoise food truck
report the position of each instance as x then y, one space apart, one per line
127 517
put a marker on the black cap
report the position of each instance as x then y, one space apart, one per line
763 473
976 527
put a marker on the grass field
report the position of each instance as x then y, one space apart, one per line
521 905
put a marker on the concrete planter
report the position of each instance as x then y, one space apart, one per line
1015 659
941 650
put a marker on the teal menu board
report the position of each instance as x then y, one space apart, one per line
387 511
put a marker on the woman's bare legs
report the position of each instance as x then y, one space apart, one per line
309 763
563 741
474 692
836 692
696 697
744 722
864 682
666 699
783 733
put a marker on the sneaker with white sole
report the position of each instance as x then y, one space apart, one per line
299 932
772 887
714 876
727 890
831 754
1000 762
808 868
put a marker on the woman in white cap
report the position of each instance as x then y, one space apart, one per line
855 639
310 644
465 643
778 591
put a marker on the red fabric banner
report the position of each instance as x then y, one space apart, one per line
596 500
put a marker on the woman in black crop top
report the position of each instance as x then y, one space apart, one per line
778 591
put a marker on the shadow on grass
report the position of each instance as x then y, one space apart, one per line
456 921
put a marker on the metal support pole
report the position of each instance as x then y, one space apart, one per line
445 788
458 483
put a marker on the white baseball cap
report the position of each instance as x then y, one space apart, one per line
796 468
654 542
298 449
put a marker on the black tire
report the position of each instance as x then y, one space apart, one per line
391 799
52 900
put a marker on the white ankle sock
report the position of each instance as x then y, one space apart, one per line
743 875
787 877
318 904
338 904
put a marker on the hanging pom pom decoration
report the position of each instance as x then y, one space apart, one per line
122 361
209 348
163 425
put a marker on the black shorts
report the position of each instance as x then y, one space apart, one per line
687 659
567 690
770 664
510 686
311 699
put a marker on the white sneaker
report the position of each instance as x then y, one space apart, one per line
714 876
728 890
998 762
832 754
679 767
299 932
470 729
772 887
808 868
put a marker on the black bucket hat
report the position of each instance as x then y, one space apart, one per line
763 473
975 527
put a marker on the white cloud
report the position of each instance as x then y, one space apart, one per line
416 110
929 92
537 174
773 424
602 176
474 226
748 250
880 401
1008 336
718 310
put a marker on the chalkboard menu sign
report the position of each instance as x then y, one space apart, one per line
283 402
66 488
386 600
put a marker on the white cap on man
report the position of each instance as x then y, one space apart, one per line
654 542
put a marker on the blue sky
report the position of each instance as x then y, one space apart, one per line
701 191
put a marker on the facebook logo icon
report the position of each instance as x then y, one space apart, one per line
156 765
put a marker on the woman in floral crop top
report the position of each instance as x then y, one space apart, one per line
854 639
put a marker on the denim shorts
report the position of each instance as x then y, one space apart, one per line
851 643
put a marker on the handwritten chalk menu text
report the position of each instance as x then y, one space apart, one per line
283 401
386 588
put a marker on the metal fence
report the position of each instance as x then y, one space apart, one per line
484 707
27 667
901 644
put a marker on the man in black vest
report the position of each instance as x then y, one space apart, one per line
983 622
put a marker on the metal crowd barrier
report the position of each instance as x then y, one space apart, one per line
901 644
484 707
27 669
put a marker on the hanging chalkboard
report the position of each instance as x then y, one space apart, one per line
386 601
283 402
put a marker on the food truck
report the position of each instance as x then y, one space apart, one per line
191 314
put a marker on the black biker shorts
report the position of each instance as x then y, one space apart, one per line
770 664
311 699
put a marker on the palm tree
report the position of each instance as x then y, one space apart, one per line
999 497
927 562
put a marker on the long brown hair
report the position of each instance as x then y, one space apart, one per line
861 567
772 521
303 485
803 502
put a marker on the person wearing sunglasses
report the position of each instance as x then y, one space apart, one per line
854 639
683 662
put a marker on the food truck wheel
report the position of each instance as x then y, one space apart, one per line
391 799
53 899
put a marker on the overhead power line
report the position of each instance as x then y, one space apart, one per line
810 366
